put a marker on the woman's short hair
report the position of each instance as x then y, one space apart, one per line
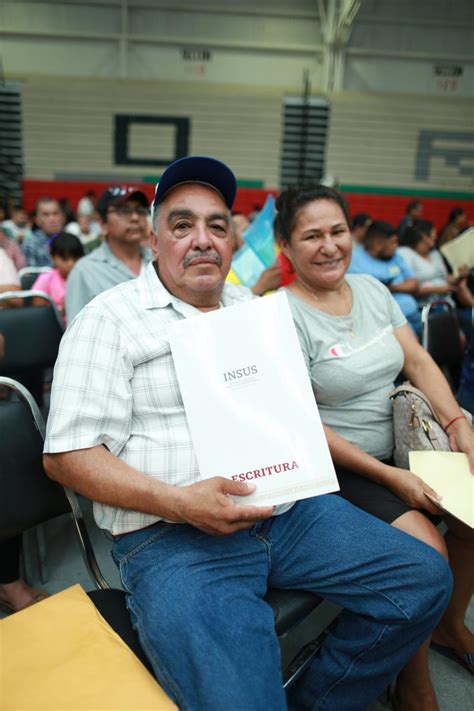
425 226
411 236
65 245
455 213
291 200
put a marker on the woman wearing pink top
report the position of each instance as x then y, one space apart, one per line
65 249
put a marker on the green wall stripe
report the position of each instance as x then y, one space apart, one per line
241 183
366 189
408 192
250 184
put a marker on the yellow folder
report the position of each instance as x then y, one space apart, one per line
448 473
61 655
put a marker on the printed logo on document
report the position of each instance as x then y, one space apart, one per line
240 377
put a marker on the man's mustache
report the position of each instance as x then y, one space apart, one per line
208 254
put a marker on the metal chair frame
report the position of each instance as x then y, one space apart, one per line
301 618
29 294
448 354
83 536
31 271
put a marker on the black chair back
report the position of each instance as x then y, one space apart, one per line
27 496
442 338
31 334
28 276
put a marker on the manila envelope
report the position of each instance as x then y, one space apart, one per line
61 655
449 475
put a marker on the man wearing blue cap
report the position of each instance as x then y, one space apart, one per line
123 212
195 562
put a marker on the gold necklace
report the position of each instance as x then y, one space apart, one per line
323 307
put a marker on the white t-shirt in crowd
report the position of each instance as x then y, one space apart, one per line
8 272
431 271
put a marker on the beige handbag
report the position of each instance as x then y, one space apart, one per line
415 424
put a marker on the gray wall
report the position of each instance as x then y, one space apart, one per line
394 122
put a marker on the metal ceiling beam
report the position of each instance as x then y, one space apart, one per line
337 19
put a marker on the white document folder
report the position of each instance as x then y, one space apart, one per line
249 402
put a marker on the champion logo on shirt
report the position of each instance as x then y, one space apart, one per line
343 350
338 350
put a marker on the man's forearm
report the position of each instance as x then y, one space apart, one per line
100 476
210 505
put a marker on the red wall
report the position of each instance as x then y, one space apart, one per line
391 208
385 207
246 201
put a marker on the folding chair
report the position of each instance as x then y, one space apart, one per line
31 333
28 276
442 338
31 337
28 498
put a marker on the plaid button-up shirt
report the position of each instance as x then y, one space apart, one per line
115 385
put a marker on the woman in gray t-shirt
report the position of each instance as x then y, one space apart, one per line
355 341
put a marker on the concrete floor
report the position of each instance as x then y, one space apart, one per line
63 566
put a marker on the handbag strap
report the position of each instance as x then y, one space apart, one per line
407 387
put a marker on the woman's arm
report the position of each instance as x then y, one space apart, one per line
409 487
423 372
429 289
463 294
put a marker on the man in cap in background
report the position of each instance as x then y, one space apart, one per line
195 561
123 212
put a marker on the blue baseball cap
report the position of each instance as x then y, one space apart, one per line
198 169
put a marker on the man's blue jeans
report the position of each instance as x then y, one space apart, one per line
197 603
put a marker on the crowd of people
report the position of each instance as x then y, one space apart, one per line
117 433
406 258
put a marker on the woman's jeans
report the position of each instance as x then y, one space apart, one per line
197 603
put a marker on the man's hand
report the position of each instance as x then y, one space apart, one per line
411 489
208 505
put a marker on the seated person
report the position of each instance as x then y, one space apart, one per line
378 257
435 282
417 247
123 211
50 219
9 279
15 593
18 227
66 250
414 211
271 278
12 248
360 225
195 560
453 227
355 340
465 395
87 230
240 222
